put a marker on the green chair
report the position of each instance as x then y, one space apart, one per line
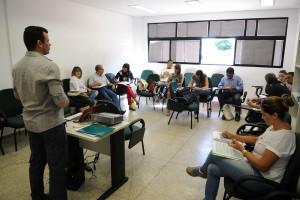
174 105
230 101
146 93
208 98
216 79
144 75
286 189
187 78
110 78
10 114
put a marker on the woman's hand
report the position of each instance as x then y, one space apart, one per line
189 85
249 102
235 144
89 90
226 134
84 94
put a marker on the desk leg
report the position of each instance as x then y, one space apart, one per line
117 153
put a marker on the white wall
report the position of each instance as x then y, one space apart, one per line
250 75
80 35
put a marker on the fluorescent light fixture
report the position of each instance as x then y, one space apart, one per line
266 2
142 8
194 3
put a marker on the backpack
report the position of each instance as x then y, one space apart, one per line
227 112
143 85
151 87
185 96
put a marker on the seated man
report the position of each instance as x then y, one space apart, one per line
289 79
164 75
98 81
232 86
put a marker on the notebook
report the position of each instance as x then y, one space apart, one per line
97 130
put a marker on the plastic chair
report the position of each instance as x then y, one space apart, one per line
10 114
216 79
174 105
283 190
187 78
146 93
230 101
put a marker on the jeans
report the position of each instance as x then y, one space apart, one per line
107 94
198 93
216 167
129 92
236 99
91 96
50 146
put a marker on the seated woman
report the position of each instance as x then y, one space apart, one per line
177 76
272 152
124 76
275 88
77 84
199 84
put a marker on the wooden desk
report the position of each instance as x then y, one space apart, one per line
111 144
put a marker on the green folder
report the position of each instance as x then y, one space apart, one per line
94 129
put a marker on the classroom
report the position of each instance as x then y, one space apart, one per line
87 33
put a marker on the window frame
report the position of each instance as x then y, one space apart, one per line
255 37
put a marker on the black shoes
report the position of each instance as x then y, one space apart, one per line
237 117
122 112
223 117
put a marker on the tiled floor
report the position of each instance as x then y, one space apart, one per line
160 174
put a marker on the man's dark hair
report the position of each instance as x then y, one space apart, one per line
270 78
291 73
31 35
170 60
230 70
283 71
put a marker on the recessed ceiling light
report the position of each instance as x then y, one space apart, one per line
266 2
142 8
194 3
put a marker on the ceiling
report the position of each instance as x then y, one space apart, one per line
175 7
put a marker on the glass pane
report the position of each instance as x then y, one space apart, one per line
218 51
227 28
159 51
271 27
162 30
251 26
196 29
254 52
185 51
278 53
152 30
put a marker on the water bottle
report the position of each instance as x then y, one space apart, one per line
132 103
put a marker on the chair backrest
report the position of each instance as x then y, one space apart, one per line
137 135
291 174
9 104
210 84
145 74
173 87
216 78
108 106
152 77
188 77
66 84
110 77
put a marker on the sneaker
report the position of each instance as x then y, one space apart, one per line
122 112
223 117
237 117
194 172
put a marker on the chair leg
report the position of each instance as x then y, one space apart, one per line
219 112
162 108
177 115
139 102
1 141
25 131
171 117
143 147
192 120
226 196
153 102
15 137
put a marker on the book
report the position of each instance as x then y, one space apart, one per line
126 83
221 148
103 85
95 130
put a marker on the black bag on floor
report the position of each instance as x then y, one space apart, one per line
185 96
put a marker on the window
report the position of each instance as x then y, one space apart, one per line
240 42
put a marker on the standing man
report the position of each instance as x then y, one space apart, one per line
98 81
37 83
232 86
